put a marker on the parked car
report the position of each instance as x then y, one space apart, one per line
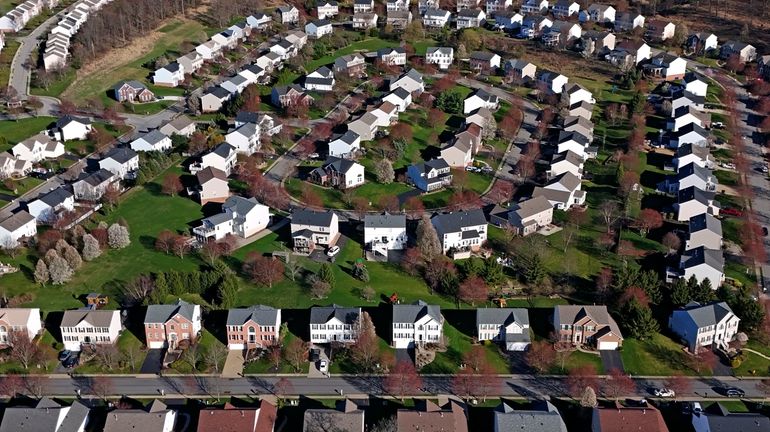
334 250
664 392
729 211
323 366
764 231
732 392
71 361
718 125
64 355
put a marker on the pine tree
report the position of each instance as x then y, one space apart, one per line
641 324
159 294
227 294
91 249
680 293
493 271
427 239
41 272
326 274
534 271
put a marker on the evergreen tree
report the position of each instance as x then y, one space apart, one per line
640 322
493 272
326 274
534 272
703 292
680 293
159 294
427 239
228 293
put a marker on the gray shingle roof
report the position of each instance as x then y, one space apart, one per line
67 119
260 314
531 207
223 150
312 218
44 417
442 50
693 169
97 318
99 177
152 419
569 314
348 137
573 135
323 314
502 316
240 205
705 221
385 220
410 313
700 255
339 164
401 92
154 136
56 196
693 193
722 420
542 417
162 313
454 222
120 155
708 314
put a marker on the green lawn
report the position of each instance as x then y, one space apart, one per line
46 365
659 356
126 341
15 131
726 178
6 58
21 186
458 344
754 365
365 45
263 365
56 88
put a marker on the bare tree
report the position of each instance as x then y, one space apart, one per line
107 355
215 355
610 213
23 349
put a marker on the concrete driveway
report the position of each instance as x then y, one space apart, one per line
233 364
153 362
611 360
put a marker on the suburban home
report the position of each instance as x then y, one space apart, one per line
399 19
567 161
534 7
47 207
569 30
259 21
364 20
520 71
181 125
311 228
416 325
612 419
209 50
703 264
470 4
319 28
345 145
255 327
353 65
38 148
240 216
191 62
46 415
693 201
362 6
269 61
154 140
428 416
170 75
252 74
386 113
597 43
542 416
481 117
121 161
691 83
71 128
484 62
384 232
424 5
690 133
91 187
526 217
480 99
681 97
297 38
693 175
392 56
321 80
659 30
245 138
572 141
587 325
461 231
348 417
411 81
637 50
242 419
471 18
166 326
711 324
132 91
565 8
471 136
492 6
458 154
598 13
223 158
227 39
266 123
89 327
717 418
552 82
212 185
702 42
290 95
581 109
236 84
214 98
763 65
507 20
155 417
666 66
435 18
334 324
745 52
685 115
288 14
562 191
506 326
19 321
326 9
339 173
574 93
430 175
400 98
628 21
534 25
689 153
580 125
441 56
365 126
705 230
284 49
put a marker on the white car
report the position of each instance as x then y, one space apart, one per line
664 392
334 250
323 366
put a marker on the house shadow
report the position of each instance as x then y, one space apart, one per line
297 321
53 324
153 188
134 321
215 321
381 316
464 320
430 152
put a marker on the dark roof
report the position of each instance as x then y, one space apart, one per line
502 316
705 221
323 314
691 127
218 92
401 92
44 417
162 313
99 177
410 313
385 220
260 314
349 137
693 193
469 13
720 419
246 117
207 174
16 221
321 22
541 417
339 164
172 67
312 218
573 135
482 55
223 150
454 222
120 154
56 196
484 95
388 51
136 85
67 119
700 255
707 314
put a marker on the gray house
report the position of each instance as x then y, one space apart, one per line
507 326
541 417
431 175
704 325
46 415
706 231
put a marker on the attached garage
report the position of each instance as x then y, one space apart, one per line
607 345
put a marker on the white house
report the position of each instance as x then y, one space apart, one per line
326 8
705 230
384 232
436 18
392 56
565 8
568 29
288 13
703 264
364 20
15 228
313 228
703 42
528 216
235 84
245 139
22 320
321 79
507 326
71 128
89 327
46 207
507 20
470 18
334 324
704 325
520 70
319 28
599 13
690 133
562 191
689 153
154 140
628 21
411 81
693 201
399 97
492 6
361 6
346 145
693 84
480 99
259 21
121 161
170 75
209 50
681 97
460 231
213 99
191 62
223 157
685 115
568 161
574 93
552 81
416 325
572 141
659 30
441 56
534 7
38 148
240 216
667 66
339 173
694 175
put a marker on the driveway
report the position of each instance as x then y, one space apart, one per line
153 362
233 364
611 359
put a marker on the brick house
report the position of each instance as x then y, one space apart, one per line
168 325
591 325
132 91
253 327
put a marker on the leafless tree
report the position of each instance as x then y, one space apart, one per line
107 355
23 349
215 355
610 213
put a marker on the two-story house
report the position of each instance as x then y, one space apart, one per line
353 65
319 28
520 71
334 324
563 191
255 327
461 231
363 6
384 232
166 326
416 325
121 161
170 75
746 53
506 326
492 6
693 175
364 20
711 324
659 30
471 18
690 153
15 322
212 186
223 158
71 128
598 13
628 21
430 176
528 216
245 139
240 216
692 201
440 56
320 80
532 7
89 327
412 81
91 187
587 325
154 140
47 207
435 18
703 264
339 173
392 56
326 8
565 9
666 66
345 145
311 228
485 62
288 14
705 230
132 91
685 115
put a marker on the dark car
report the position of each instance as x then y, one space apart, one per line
64 355
764 231
315 354
71 361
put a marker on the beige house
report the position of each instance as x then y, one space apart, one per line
530 215
213 185
23 320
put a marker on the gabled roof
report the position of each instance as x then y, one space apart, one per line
531 207
346 418
349 137
707 314
223 150
136 85
705 222
260 314
153 137
99 177
687 149
541 417
96 318
446 223
217 92
693 169
385 220
248 130
437 164
720 419
120 155
171 67
240 419
482 55
700 255
682 93
502 316
484 95
579 138
691 127
410 313
324 314
56 196
428 416
18 220
390 51
692 193
161 314
239 205
401 93
440 50
47 416
153 418
433 13
180 122
67 119
209 173
312 218
647 419
470 13
339 164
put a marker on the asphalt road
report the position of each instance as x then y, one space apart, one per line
20 74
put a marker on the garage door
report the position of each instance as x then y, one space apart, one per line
608 345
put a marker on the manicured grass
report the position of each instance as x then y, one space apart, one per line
263 365
658 356
458 344
21 186
45 365
149 108
19 130
56 88
369 44
6 58
126 341
754 365
726 178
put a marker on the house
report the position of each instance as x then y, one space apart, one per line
574 93
702 42
534 7
689 153
471 135
241 419
565 9
346 145
541 417
685 115
245 139
567 161
181 125
363 6
506 326
259 21
582 110
520 71
704 325
392 56
525 217
717 418
212 185
157 417
580 125
92 186
311 228
319 28
565 28
284 49
428 416
745 52
587 325
240 216
384 232
659 30
563 191
667 66
71 128
468 4
400 98
38 148
763 66
214 98
326 9
553 82
693 201
170 75
365 126
628 21
481 117
480 99
690 133
507 20
399 19
288 14
691 83
694 175
354 65
430 176
364 20
191 62
269 61
461 231
441 56
46 208
492 6
89 327
424 5
348 417
598 13
416 324
121 161
435 18
166 326
484 62
132 91
411 81
154 140
223 158
613 419
290 95
255 327
458 154
471 18
637 51
236 84
597 43
297 38
339 173
227 39
573 141
46 415
681 97
703 264
209 50
19 321
266 123
533 26
321 79
334 324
